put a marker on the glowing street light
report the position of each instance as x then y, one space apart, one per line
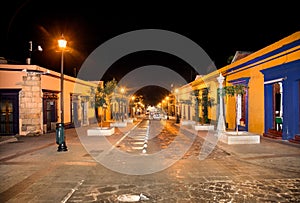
60 135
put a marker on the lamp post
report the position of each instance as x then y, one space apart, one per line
221 123
133 106
163 105
60 135
122 102
177 106
167 98
39 48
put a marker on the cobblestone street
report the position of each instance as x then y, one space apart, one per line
273 190
33 171
219 178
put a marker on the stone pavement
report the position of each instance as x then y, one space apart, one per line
33 171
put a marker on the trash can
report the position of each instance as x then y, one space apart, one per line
60 138
60 133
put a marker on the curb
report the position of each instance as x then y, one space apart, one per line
4 140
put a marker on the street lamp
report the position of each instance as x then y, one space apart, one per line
162 105
221 123
39 48
133 106
167 98
177 106
122 102
60 135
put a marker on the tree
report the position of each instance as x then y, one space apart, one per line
205 101
235 90
102 96
197 100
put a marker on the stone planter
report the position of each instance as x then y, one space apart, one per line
98 131
204 127
188 122
129 120
119 124
240 138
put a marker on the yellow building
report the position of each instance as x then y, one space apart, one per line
270 106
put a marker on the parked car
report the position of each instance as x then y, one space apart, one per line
156 116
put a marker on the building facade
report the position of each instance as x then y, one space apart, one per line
30 100
270 106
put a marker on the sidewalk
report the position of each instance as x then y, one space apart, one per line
271 153
267 148
11 146
10 138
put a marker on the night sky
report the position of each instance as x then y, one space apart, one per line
220 30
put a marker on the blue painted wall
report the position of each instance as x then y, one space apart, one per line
290 72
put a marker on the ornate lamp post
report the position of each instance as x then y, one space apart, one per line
123 105
133 108
167 98
60 135
177 106
221 123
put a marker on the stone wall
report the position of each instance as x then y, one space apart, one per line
31 106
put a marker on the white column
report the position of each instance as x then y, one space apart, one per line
221 124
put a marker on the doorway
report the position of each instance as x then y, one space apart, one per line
9 109
50 110
277 106
75 110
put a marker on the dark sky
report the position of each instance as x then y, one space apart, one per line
220 29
